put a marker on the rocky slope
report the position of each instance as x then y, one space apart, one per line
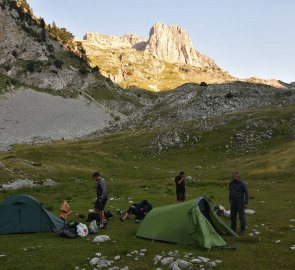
31 60
28 54
30 116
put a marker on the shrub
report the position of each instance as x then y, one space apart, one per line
7 67
83 70
54 71
95 69
58 63
14 53
42 23
50 48
31 65
230 95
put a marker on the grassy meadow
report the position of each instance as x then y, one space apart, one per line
135 171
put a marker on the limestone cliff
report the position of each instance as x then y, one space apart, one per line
173 44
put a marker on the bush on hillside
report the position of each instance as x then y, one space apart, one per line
83 70
204 84
58 63
31 65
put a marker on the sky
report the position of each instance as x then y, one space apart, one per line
247 38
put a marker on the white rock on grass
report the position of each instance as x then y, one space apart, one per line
114 268
167 260
143 250
125 268
218 261
204 259
2 255
98 254
118 257
184 264
101 238
175 267
278 241
104 264
212 264
173 253
196 260
158 268
141 254
292 220
293 247
94 261
157 258
251 234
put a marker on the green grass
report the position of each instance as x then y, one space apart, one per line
135 171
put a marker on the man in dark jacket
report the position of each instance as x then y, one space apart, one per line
238 198
180 187
101 198
138 209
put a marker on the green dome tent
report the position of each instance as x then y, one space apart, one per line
24 214
193 222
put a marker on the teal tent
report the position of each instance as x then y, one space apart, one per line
192 222
24 214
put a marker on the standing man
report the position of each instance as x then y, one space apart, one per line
180 187
101 199
238 199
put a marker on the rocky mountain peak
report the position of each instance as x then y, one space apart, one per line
173 44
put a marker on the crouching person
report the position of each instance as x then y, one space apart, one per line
138 209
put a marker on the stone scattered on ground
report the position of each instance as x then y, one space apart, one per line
292 247
19 183
167 260
26 183
49 182
32 248
176 262
101 238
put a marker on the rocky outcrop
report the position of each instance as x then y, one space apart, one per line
173 44
112 42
